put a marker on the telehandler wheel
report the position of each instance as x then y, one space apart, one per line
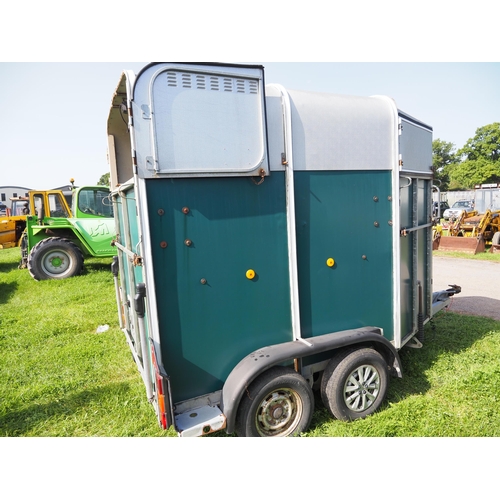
278 403
23 245
354 384
55 258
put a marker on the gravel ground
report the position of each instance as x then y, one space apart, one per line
480 282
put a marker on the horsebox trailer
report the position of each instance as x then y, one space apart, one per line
270 242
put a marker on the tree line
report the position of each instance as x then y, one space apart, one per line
477 162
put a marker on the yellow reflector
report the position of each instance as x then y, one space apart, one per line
250 274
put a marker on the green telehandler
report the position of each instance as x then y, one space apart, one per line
57 239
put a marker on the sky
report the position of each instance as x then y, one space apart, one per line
54 114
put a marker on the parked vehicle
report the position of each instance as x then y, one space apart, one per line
458 208
57 239
240 287
438 209
13 222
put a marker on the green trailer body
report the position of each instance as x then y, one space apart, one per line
265 235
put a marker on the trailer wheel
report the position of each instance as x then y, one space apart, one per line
55 258
354 385
278 403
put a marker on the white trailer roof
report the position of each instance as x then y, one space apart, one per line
339 132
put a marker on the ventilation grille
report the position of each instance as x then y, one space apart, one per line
211 82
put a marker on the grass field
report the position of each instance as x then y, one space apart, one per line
59 377
492 257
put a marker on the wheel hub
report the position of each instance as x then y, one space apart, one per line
56 262
361 388
278 413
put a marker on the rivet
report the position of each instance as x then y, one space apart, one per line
376 224
161 211
185 210
164 244
389 222
203 281
188 243
375 198
364 257
389 198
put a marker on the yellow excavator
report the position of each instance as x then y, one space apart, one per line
469 233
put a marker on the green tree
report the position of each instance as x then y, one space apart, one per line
467 174
480 159
485 144
444 157
104 180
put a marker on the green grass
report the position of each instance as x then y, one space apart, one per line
492 257
58 377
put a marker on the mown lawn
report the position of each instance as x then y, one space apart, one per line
59 377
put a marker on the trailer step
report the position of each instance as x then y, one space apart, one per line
200 421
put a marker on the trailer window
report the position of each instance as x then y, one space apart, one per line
206 123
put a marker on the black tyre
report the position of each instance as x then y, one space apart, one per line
278 403
354 384
55 258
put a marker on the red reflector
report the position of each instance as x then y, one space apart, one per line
160 394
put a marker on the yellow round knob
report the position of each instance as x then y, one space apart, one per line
330 262
250 274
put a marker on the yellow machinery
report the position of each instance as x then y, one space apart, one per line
469 233
12 224
40 203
